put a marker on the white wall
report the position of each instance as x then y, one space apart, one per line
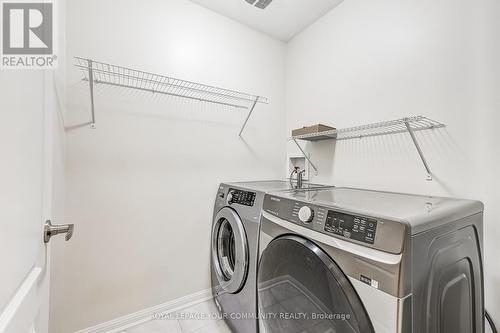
140 187
368 61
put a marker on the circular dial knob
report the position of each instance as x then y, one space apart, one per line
306 214
230 197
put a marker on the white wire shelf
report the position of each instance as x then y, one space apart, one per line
96 72
403 125
417 123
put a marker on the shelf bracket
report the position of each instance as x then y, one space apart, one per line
91 86
249 114
307 157
419 150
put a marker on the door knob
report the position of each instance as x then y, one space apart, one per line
50 230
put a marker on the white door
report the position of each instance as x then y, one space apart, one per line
26 113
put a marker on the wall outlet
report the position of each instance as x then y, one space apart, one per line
300 161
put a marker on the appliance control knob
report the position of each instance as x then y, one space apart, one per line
230 197
306 214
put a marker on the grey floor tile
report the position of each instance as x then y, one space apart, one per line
198 316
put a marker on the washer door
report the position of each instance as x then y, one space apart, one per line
229 250
301 288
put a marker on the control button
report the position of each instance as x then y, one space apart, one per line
230 197
347 234
306 214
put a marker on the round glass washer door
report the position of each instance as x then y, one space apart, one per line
297 277
229 250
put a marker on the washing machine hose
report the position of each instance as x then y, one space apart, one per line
490 321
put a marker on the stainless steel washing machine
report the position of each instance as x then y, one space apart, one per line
350 260
235 234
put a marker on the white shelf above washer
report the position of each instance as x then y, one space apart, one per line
417 123
403 125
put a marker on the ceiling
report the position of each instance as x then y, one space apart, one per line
281 19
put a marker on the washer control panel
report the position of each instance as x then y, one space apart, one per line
240 197
351 226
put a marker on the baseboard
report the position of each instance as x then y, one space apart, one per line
139 317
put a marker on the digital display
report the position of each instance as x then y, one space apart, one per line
359 228
242 197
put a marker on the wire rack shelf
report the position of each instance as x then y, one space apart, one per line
403 125
96 72
417 123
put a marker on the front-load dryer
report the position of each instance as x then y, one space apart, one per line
234 249
350 260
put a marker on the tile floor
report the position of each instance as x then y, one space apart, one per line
200 318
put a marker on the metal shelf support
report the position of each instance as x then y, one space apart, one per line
419 150
91 87
249 114
307 157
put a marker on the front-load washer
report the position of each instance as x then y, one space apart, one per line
350 260
235 234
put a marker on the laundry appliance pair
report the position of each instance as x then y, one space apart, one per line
347 260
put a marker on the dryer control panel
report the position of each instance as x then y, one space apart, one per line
235 196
